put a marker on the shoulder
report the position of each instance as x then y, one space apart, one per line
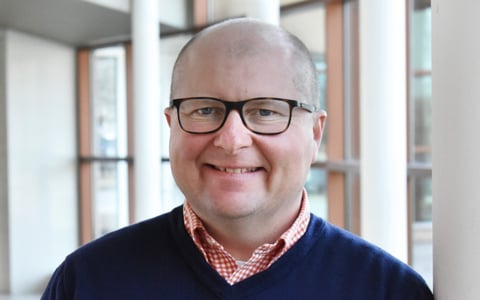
129 260
336 242
129 247
140 234
338 239
357 260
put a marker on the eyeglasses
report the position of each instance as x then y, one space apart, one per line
266 116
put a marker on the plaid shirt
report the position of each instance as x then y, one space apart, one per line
262 258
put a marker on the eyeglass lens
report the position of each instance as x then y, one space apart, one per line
266 116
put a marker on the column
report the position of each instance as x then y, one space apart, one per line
265 10
383 99
4 217
456 144
146 96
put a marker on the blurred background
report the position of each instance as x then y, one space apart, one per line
70 143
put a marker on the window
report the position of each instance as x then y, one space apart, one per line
103 132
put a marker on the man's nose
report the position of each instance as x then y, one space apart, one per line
233 135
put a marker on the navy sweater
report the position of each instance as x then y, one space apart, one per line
157 259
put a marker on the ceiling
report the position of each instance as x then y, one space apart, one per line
73 22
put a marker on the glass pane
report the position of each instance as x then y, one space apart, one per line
109 196
317 192
321 66
421 188
421 86
421 39
422 251
170 193
422 114
109 108
422 197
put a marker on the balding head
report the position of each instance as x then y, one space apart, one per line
240 39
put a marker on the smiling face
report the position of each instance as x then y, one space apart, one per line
234 173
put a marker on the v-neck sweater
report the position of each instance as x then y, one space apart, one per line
157 259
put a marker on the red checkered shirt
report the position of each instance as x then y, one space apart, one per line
262 258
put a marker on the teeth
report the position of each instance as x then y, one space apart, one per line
236 170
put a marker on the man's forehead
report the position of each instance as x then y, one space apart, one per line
240 38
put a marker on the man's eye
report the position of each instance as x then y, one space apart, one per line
266 112
205 111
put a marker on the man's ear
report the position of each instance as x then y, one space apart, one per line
168 115
318 126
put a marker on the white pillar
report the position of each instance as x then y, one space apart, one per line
146 81
456 144
4 209
264 10
383 125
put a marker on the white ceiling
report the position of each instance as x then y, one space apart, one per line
74 22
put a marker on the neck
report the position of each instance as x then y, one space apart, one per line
240 237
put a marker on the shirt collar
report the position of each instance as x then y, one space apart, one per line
264 256
203 240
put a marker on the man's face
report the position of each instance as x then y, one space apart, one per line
235 173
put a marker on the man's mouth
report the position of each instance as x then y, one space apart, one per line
236 170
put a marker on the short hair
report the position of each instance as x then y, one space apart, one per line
305 79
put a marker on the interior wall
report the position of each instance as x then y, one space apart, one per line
41 147
455 110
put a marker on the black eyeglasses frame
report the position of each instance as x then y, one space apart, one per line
238 106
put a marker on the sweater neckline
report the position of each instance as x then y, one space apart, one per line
279 270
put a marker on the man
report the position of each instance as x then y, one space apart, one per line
244 132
